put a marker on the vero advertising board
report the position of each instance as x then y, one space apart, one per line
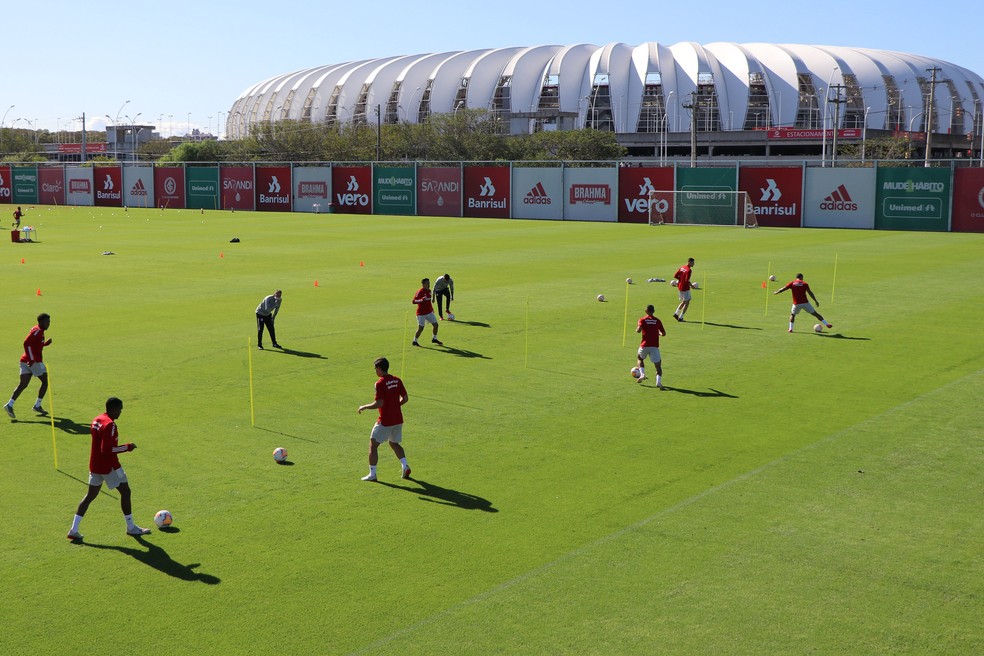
638 187
6 185
538 193
352 189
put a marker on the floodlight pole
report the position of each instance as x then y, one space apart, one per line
379 132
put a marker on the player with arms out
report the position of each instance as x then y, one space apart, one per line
390 397
682 276
31 364
651 329
800 288
104 467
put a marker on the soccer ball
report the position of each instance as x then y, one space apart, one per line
636 372
601 298
163 518
674 282
450 317
818 328
772 277
280 454
628 281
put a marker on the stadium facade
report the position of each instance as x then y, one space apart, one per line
649 94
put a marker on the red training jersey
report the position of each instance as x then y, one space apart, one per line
102 455
422 299
798 288
683 277
652 328
391 390
33 344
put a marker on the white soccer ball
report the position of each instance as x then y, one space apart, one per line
163 518
450 317
601 298
694 285
674 282
628 281
636 372
772 277
818 328
280 454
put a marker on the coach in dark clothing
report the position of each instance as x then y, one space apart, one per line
444 290
266 313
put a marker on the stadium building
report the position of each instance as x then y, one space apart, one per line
717 99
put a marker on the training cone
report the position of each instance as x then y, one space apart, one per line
315 283
362 263
221 255
39 291
764 285
22 260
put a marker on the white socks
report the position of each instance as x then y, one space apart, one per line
75 523
403 463
129 522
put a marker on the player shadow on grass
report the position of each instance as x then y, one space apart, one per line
102 490
63 424
159 559
840 336
462 353
711 393
444 496
729 325
296 437
473 323
300 354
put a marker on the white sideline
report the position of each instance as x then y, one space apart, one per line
505 585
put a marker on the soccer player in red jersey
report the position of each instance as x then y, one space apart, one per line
682 277
31 364
104 467
651 329
800 288
425 312
390 397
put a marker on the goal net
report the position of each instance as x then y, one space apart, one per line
702 207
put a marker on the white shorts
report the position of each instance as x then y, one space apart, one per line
112 480
37 369
382 433
802 306
651 351
685 296
426 318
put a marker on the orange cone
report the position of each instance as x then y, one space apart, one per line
39 291
22 260
764 286
362 263
221 255
315 283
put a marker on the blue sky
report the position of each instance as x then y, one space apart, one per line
180 63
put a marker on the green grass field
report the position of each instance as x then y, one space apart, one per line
787 494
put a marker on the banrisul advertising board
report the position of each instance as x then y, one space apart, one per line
912 199
393 190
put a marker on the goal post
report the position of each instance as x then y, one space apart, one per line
702 207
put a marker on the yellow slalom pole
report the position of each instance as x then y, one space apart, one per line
625 322
768 289
51 414
703 303
249 357
834 283
403 360
526 363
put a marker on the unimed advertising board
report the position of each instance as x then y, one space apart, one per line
912 199
202 187
393 188
701 200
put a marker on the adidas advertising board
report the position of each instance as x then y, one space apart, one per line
351 187
839 198
912 199
273 185
968 200
312 188
78 186
776 194
51 186
590 194
486 192
237 188
538 193
439 191
108 186
634 186
169 187
138 186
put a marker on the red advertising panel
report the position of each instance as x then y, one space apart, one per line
968 201
439 191
352 186
635 187
108 183
169 187
6 185
487 191
51 186
237 187
776 194
800 133
76 148
273 185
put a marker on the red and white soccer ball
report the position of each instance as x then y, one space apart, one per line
280 454
163 518
818 328
636 372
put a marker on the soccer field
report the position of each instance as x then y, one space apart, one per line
786 494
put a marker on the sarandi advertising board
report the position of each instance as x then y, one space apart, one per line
439 191
6 185
138 186
352 189
237 187
273 188
538 193
968 201
486 192
51 185
108 186
912 199
79 185
640 186
590 194
169 187
776 194
393 188
312 188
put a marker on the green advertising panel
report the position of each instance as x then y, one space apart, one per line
912 199
202 187
707 196
25 182
393 190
